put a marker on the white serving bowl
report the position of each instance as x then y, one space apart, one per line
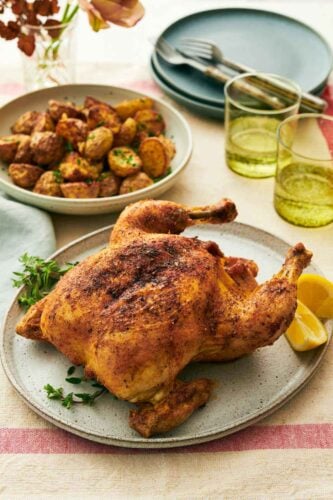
176 127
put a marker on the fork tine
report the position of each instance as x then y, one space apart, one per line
193 48
195 53
199 41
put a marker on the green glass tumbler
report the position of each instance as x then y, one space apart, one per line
304 178
253 113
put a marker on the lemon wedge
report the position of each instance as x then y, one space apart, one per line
316 292
306 331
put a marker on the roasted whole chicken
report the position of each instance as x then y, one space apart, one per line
136 313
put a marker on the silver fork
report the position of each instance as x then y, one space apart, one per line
209 51
173 56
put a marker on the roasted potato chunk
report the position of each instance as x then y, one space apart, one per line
97 165
25 123
44 123
64 150
72 129
24 153
74 168
99 142
128 108
150 121
92 101
109 184
8 147
57 108
139 138
47 147
49 184
170 147
103 115
124 161
80 190
126 133
25 175
135 182
154 156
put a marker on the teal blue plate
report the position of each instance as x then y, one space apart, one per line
264 40
194 105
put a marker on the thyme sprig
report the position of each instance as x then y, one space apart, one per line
71 398
39 276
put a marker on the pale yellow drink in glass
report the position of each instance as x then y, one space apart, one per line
304 178
251 125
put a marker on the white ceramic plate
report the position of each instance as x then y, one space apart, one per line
246 391
176 127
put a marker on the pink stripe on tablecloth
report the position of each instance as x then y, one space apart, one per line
11 88
275 437
144 85
326 128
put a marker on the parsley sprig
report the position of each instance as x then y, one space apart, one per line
71 398
168 172
39 277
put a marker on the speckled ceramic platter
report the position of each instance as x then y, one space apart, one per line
246 390
176 127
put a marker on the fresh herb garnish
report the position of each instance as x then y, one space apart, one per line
74 380
100 124
57 176
68 400
103 175
71 370
69 146
168 172
39 277
53 393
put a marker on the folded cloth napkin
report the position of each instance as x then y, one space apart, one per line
22 229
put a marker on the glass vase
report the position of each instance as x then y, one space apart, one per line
53 60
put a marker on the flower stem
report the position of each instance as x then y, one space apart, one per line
56 42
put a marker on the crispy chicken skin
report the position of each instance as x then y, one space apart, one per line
181 402
136 313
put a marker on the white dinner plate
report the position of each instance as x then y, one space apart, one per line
246 390
176 128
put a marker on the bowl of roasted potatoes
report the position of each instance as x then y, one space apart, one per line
90 149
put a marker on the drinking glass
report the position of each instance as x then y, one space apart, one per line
304 177
253 113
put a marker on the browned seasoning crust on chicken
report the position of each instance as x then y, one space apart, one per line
178 406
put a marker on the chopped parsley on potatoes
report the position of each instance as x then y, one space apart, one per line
88 151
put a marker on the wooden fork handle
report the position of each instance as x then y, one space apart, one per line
251 90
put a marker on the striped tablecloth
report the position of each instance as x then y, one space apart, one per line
288 455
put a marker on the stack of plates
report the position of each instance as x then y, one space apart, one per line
266 41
